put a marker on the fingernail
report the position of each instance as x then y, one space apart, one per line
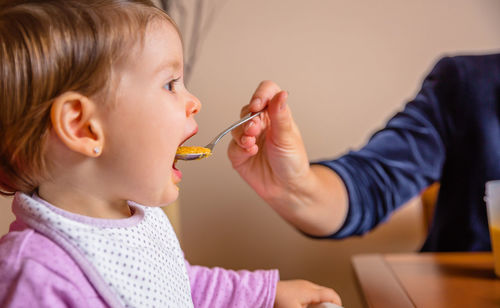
282 106
256 102
250 124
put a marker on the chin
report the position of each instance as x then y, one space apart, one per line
161 200
169 198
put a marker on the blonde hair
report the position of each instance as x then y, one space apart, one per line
50 47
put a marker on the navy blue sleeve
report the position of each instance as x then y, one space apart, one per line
401 159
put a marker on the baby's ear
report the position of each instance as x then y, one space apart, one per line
75 122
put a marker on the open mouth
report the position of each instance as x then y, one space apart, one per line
177 172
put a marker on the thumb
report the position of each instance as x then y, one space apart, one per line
280 118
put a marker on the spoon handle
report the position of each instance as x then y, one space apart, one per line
230 128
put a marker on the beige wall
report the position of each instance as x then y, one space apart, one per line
348 65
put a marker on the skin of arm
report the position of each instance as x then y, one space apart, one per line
269 154
302 293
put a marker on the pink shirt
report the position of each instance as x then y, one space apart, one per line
36 272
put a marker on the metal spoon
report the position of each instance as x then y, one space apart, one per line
211 145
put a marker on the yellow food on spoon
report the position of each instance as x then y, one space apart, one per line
193 150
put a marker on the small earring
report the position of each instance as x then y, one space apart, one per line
97 150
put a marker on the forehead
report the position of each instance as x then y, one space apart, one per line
163 37
160 49
163 44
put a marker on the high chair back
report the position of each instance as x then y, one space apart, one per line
429 198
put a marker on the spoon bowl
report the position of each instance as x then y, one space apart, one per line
193 153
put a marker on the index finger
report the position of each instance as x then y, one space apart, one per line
262 95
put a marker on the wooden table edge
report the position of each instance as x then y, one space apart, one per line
379 285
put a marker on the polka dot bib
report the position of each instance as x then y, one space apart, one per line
132 262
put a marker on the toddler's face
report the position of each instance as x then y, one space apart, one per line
152 116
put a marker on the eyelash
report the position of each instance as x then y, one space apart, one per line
169 86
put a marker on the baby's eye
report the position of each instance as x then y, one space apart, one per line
170 85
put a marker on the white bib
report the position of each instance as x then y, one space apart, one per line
133 262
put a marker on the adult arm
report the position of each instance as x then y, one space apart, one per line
354 193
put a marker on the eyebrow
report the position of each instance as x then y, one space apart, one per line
175 65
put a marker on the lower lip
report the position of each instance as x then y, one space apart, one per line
177 173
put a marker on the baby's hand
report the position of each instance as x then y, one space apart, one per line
301 293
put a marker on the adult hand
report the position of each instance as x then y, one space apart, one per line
269 154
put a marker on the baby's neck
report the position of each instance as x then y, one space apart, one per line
86 204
